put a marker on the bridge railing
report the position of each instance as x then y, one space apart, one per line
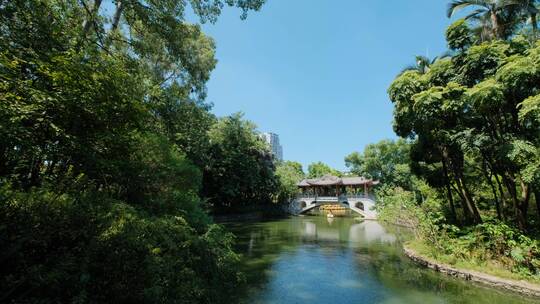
358 196
341 197
306 196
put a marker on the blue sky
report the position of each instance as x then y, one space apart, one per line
316 72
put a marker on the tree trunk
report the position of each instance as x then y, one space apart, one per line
537 200
117 15
503 200
463 191
520 205
449 191
495 25
89 22
511 187
471 206
524 204
466 211
34 172
489 178
497 202
493 174
534 24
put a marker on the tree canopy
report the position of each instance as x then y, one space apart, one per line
105 150
471 121
240 171
289 174
386 161
318 169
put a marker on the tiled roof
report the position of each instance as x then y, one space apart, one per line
357 180
330 180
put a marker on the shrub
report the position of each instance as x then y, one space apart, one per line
90 248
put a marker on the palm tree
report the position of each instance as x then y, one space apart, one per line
528 8
495 13
423 64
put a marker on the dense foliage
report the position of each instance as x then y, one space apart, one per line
386 161
240 171
318 169
467 117
472 123
105 154
289 174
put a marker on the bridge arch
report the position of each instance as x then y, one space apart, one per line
364 207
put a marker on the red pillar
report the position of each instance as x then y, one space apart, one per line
365 190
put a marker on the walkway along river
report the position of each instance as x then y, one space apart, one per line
315 259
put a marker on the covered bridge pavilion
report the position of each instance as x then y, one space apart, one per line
330 185
352 192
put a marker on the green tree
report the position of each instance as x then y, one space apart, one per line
458 35
318 169
464 115
423 64
157 32
529 10
386 161
472 123
289 174
103 144
240 172
497 15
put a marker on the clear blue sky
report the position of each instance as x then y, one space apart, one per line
316 72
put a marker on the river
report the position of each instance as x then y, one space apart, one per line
315 259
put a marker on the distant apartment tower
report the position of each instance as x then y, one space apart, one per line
273 141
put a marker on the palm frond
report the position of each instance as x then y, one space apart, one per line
457 5
408 68
476 14
447 54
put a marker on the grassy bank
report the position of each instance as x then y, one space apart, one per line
492 266
492 247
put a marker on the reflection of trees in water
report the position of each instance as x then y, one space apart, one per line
377 251
368 232
400 275
396 272
262 243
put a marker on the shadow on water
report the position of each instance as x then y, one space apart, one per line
342 260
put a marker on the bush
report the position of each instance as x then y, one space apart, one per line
491 242
90 248
402 207
497 241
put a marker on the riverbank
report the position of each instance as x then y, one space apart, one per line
238 217
518 286
248 216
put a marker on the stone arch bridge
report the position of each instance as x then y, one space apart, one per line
345 191
358 203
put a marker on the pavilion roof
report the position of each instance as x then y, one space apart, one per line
303 183
330 180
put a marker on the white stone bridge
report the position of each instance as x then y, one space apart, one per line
359 203
329 189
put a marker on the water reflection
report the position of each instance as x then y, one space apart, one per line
342 260
358 234
370 231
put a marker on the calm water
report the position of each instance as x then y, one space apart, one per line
342 260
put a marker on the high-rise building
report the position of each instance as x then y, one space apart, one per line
273 141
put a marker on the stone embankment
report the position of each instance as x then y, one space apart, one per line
521 287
